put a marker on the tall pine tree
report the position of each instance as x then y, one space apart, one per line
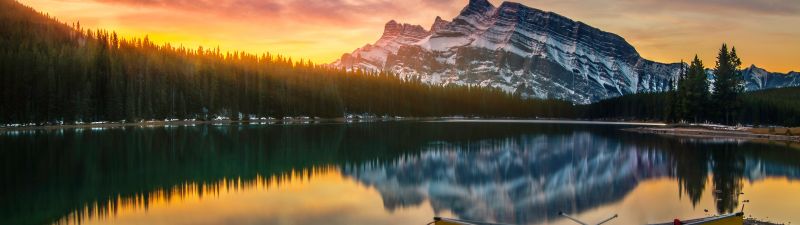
727 85
692 96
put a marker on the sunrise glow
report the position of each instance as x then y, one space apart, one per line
323 30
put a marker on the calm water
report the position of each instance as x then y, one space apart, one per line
386 173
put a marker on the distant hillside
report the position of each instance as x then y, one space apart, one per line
780 106
51 72
773 106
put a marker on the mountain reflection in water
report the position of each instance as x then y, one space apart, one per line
529 178
511 173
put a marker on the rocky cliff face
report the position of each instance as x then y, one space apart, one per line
518 49
373 57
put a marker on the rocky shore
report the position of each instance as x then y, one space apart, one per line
758 222
714 132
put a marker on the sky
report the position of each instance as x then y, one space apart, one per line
764 32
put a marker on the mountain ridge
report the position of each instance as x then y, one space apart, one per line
528 51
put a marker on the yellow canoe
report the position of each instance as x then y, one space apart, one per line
446 221
726 219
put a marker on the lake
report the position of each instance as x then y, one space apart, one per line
515 172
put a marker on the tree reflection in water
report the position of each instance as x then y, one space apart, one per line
520 173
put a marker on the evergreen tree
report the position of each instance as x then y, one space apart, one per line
728 85
671 109
698 95
681 110
692 94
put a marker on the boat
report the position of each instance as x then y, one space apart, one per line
447 221
725 219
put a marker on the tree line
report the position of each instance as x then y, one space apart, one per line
54 72
51 72
698 99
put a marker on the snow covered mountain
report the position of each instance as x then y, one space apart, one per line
518 49
759 79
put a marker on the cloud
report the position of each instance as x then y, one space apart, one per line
228 8
324 29
342 12
713 7
769 7
442 4
327 12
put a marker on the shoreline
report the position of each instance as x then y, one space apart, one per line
159 123
753 221
710 133
695 131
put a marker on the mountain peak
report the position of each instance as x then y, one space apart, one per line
438 24
755 68
391 26
475 16
479 3
477 7
394 29
512 4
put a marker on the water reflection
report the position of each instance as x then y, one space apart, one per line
182 192
511 173
529 178
522 179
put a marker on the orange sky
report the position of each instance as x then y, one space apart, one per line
764 31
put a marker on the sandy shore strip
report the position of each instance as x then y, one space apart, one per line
705 132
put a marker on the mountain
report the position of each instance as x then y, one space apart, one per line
521 50
760 79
